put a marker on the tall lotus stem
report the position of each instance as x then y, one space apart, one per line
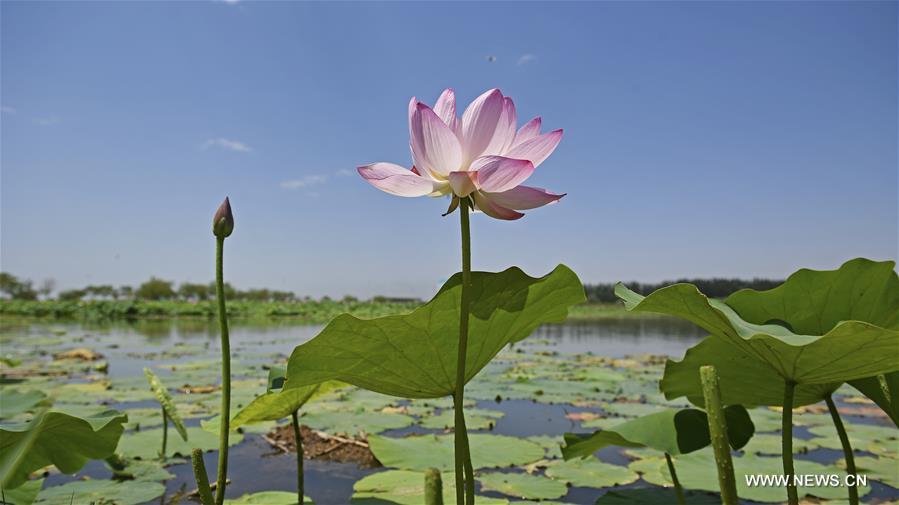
787 442
196 457
678 490
222 226
718 431
433 487
298 441
165 433
847 447
464 470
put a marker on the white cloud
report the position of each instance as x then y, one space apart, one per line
7 110
46 121
345 172
304 182
230 145
231 2
524 59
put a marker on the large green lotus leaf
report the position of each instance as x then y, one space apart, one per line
267 498
130 492
14 401
743 378
813 302
165 399
144 444
56 438
696 471
522 485
655 496
405 487
277 404
414 355
850 350
672 431
591 473
436 451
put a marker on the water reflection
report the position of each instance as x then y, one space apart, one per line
617 337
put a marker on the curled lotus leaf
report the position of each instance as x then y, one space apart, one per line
819 329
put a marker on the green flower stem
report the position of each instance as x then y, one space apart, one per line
165 433
464 470
847 447
718 431
298 440
196 457
224 428
433 487
678 490
787 441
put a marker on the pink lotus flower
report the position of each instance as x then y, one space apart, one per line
480 156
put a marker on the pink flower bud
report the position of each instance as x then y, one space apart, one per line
223 222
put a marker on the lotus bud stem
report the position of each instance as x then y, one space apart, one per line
718 431
433 487
223 221
847 447
298 442
678 490
787 442
196 457
222 226
165 433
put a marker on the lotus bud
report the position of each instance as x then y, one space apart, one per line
223 222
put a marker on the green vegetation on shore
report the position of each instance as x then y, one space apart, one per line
313 311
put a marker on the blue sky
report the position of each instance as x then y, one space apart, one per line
701 139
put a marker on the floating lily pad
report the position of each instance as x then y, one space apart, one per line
696 471
882 469
353 423
268 498
771 445
130 492
404 487
14 401
24 494
860 435
414 355
655 496
522 485
671 431
475 419
591 473
427 451
56 438
145 444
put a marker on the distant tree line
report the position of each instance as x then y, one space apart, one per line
715 287
154 289
14 288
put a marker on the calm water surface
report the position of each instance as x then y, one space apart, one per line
127 347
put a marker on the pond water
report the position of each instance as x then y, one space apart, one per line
256 466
